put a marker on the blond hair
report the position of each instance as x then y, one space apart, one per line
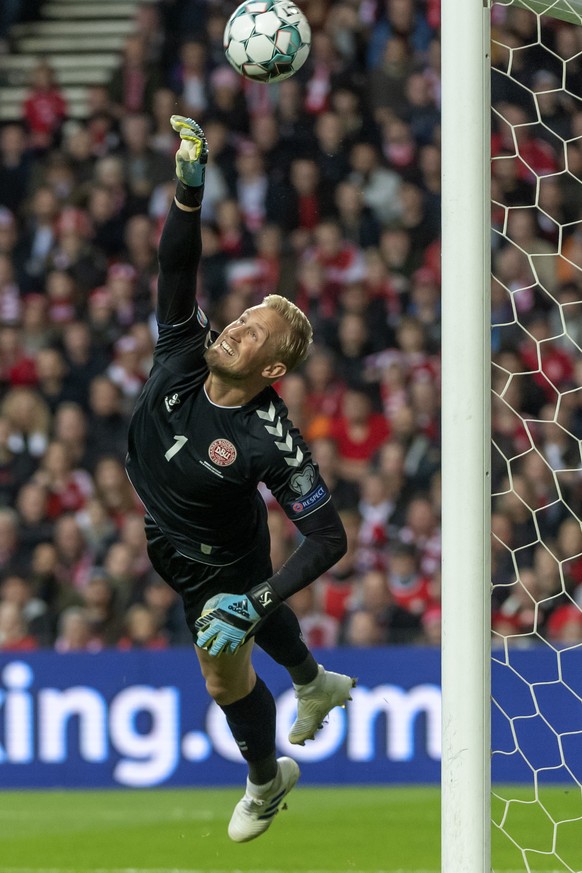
293 346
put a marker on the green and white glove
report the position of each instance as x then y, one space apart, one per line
191 160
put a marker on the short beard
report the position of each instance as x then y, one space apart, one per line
217 368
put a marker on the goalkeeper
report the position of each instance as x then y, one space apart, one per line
206 430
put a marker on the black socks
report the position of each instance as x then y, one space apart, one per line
252 724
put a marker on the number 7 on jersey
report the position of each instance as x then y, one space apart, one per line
180 442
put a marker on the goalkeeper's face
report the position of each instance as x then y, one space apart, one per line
247 348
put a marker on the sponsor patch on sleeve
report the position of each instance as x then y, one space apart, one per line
309 502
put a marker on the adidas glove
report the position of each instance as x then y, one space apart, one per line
191 160
228 620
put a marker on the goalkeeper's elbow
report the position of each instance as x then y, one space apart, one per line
336 545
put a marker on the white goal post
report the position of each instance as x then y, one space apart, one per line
467 275
466 436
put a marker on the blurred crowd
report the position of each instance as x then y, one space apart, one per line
325 188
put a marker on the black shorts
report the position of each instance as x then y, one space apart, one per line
196 582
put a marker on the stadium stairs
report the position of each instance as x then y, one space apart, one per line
81 39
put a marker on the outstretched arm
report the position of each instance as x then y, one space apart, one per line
180 245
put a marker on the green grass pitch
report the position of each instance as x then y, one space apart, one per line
325 830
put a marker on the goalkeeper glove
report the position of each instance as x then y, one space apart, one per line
228 620
191 160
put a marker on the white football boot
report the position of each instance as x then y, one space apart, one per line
254 813
316 700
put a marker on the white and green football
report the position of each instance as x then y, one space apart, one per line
267 40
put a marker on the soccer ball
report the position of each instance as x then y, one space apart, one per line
267 40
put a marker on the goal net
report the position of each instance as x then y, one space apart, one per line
536 417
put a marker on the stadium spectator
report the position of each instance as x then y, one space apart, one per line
15 468
74 560
398 17
564 626
421 112
36 333
74 633
569 549
9 14
228 101
68 488
30 421
358 433
143 167
386 79
106 223
294 127
114 489
102 609
43 576
15 166
390 462
409 582
74 252
422 457
521 613
299 205
422 531
189 80
141 630
167 609
44 108
121 569
77 149
357 221
399 256
55 383
348 103
417 217
126 370
134 81
396 624
251 186
107 423
82 356
163 104
537 157
379 185
432 626
11 558
374 508
317 628
324 64
30 615
17 368
235 240
331 153
97 528
502 544
14 634
363 630
38 237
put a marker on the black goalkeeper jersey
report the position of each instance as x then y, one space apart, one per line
196 465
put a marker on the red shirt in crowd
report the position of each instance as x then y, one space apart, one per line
44 111
377 433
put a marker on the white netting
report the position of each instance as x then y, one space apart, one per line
537 430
